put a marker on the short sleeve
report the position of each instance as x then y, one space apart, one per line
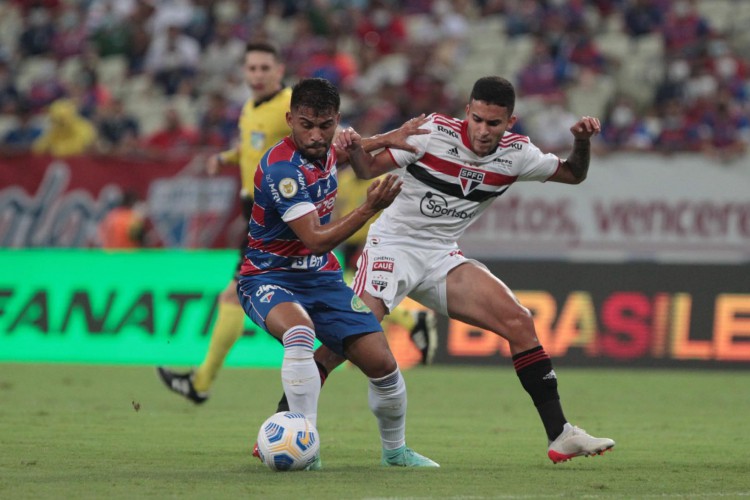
538 166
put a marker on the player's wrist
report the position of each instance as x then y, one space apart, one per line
366 211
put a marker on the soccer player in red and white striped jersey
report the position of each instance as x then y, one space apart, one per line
459 168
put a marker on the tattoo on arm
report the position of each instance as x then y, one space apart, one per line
579 159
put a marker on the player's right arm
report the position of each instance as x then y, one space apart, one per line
322 238
218 160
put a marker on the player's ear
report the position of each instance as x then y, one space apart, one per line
511 121
289 118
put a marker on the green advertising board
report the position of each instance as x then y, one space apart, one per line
134 307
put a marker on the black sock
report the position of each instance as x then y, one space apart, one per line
534 369
284 404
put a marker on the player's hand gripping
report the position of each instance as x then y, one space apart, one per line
585 128
382 192
348 140
397 138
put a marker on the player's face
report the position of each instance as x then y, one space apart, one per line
312 132
487 123
263 73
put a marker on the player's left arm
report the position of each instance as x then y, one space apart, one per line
395 139
364 164
576 167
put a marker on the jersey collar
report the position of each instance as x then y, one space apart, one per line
267 98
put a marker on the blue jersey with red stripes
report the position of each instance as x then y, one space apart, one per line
287 187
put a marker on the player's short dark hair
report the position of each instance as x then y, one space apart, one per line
495 90
263 47
318 94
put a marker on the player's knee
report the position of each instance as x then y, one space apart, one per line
518 326
381 368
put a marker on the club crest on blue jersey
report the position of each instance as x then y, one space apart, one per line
288 187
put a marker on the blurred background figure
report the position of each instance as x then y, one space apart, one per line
124 225
22 134
118 130
67 133
172 58
174 136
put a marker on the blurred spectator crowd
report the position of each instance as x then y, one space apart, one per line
165 76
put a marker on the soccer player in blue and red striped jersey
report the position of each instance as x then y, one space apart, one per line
291 284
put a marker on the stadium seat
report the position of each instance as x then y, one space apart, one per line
187 109
614 45
149 110
7 122
719 13
11 26
112 71
70 69
33 69
650 47
516 52
591 97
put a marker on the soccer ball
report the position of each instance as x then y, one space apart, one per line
288 441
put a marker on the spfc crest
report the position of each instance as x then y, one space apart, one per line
379 285
470 179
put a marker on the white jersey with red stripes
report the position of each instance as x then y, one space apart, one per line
447 186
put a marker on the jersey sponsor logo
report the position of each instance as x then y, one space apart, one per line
265 289
267 297
516 145
272 187
325 206
453 152
382 265
288 187
379 285
359 306
308 262
448 131
503 165
433 206
469 180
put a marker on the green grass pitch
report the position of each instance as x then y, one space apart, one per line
69 431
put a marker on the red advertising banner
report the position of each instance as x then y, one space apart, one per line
47 202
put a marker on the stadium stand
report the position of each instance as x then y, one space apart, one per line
52 48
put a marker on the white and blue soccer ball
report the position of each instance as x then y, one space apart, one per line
288 441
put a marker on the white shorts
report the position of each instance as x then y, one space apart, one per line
391 270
